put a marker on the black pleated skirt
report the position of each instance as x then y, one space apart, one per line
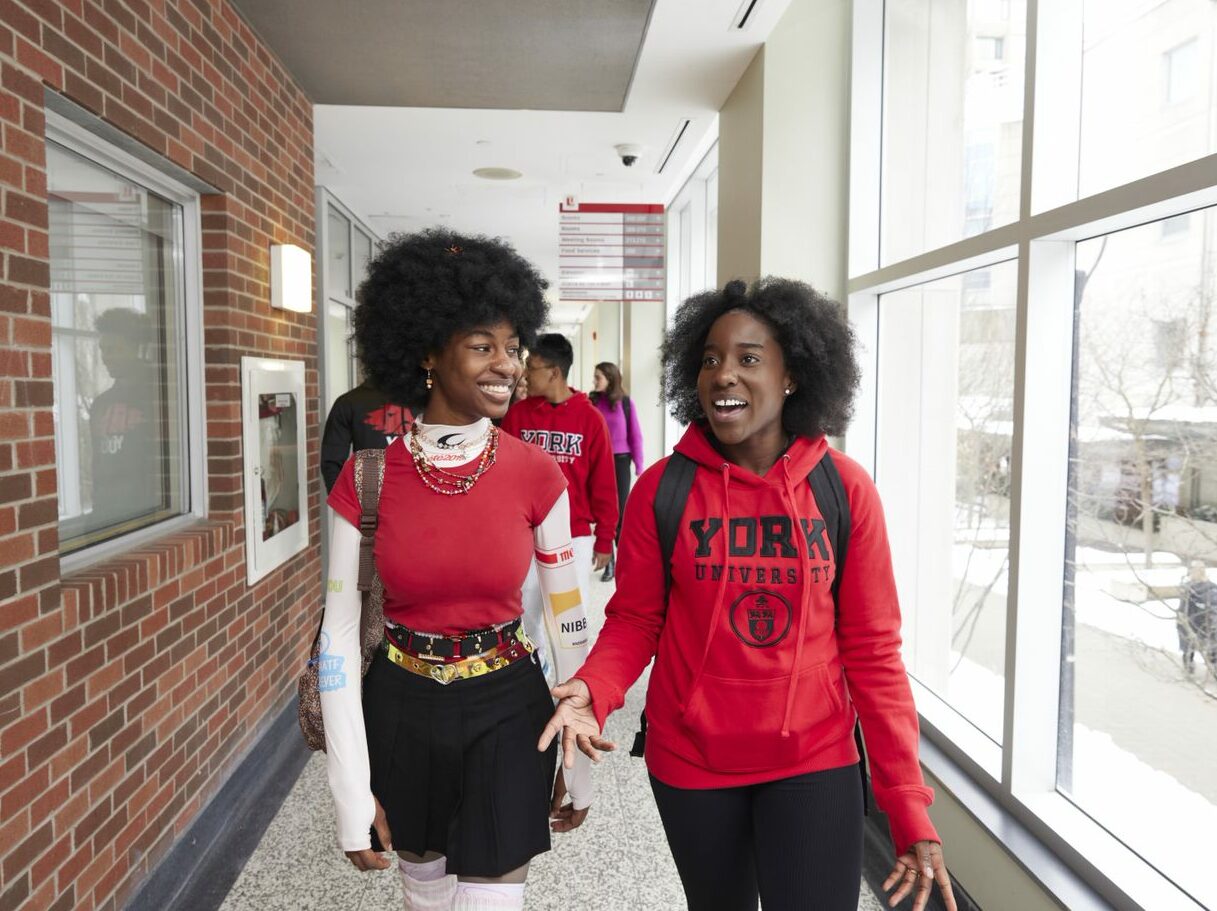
456 767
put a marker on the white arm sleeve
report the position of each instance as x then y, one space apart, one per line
339 681
565 621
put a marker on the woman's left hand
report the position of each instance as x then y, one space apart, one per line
918 866
564 815
574 719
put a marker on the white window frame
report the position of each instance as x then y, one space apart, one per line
689 233
77 139
326 200
1020 777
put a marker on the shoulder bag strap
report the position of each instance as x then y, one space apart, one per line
670 497
369 473
830 496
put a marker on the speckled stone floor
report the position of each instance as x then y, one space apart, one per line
617 860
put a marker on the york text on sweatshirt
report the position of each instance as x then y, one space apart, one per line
574 433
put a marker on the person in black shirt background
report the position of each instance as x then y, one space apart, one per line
363 418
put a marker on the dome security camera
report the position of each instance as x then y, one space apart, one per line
629 153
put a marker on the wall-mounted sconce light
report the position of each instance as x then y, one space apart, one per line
291 278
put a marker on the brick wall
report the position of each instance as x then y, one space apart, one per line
128 690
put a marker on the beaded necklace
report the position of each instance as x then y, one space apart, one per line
446 482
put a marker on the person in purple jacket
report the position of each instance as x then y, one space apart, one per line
609 397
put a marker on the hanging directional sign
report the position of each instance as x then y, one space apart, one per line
611 252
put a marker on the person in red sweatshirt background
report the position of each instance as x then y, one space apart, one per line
565 423
759 675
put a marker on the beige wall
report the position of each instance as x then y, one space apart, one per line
805 161
739 166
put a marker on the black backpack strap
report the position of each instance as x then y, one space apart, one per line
830 496
674 486
670 497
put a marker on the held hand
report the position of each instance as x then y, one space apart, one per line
574 719
565 817
919 865
367 859
600 561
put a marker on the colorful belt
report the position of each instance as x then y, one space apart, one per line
444 673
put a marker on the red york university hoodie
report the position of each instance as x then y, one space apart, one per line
753 680
574 433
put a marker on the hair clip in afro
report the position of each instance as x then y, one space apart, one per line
453 250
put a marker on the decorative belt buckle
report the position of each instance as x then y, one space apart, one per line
443 674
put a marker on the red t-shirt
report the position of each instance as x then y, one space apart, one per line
451 564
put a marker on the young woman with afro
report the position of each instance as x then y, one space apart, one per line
437 757
759 672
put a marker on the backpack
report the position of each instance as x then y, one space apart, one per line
369 476
669 506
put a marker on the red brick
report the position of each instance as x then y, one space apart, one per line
33 454
40 632
40 572
14 425
16 894
25 209
16 674
21 732
32 271
21 143
26 791
39 512
18 548
40 62
37 243
34 333
13 299
11 771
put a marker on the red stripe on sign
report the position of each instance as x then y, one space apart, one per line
547 558
640 207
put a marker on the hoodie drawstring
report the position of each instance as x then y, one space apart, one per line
804 594
720 598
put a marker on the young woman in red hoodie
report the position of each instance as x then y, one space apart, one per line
759 676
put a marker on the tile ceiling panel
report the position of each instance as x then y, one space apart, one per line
566 55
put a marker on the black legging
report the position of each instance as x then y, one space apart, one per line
796 842
623 462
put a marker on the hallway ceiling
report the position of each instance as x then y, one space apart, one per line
575 55
404 168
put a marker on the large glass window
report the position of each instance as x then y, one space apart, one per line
117 308
1139 701
952 120
1039 407
945 418
1149 87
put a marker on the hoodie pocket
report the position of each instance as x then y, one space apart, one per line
736 724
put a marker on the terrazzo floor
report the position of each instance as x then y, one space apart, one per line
617 860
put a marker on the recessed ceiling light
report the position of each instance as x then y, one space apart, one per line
497 174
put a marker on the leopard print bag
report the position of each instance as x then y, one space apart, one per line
369 475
